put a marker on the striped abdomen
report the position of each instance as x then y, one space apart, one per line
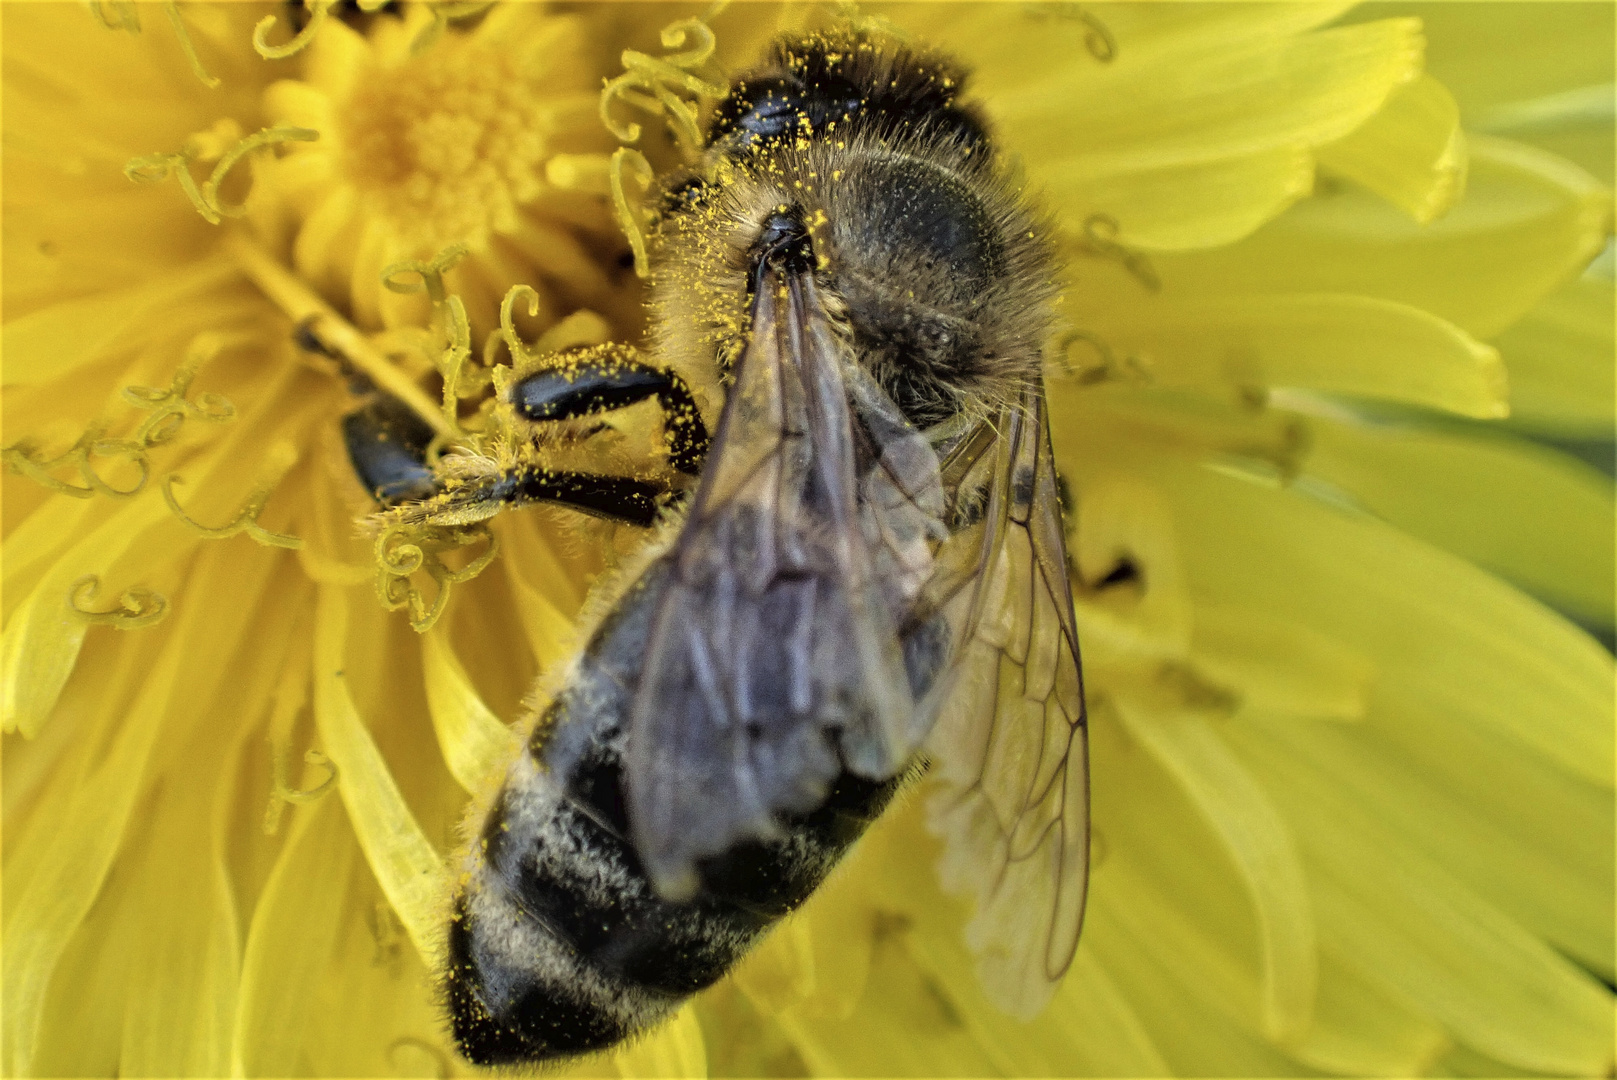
559 943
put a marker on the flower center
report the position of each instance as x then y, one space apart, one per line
447 145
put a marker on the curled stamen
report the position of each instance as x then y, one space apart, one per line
648 83
440 1060
1100 238
861 23
628 220
245 521
23 457
449 315
1192 690
291 692
137 607
256 141
171 407
1098 37
317 16
431 273
455 355
173 11
514 344
155 168
406 548
1110 368
309 795
442 15
127 18
283 794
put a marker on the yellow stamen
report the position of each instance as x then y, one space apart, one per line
1108 367
431 273
317 16
281 459
514 344
256 141
456 353
406 548
1098 37
137 607
442 15
173 11
127 18
441 1065
155 168
660 75
449 315
23 457
1100 238
170 407
288 292
628 220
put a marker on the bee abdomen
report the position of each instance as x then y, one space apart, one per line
563 946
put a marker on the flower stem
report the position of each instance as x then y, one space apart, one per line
304 307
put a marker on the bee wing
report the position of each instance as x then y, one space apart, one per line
772 660
1010 745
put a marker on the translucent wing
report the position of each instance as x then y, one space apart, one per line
773 660
1010 745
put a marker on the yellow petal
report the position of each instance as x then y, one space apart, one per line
42 640
1527 223
1344 343
673 1050
1278 668
780 972
1411 153
1489 54
407 867
182 1004
546 590
1198 205
375 1011
1399 920
1489 498
42 913
1238 99
36 542
1543 856
474 742
1358 1028
1559 355
1256 839
1194 1037
63 337
289 943
1444 636
1007 46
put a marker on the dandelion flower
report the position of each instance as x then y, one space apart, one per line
1352 749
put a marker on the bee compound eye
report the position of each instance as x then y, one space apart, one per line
933 214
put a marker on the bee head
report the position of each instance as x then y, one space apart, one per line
863 150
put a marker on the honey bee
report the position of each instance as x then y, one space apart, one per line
859 574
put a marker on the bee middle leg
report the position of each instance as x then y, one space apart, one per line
602 378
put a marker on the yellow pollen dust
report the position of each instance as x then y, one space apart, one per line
447 145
